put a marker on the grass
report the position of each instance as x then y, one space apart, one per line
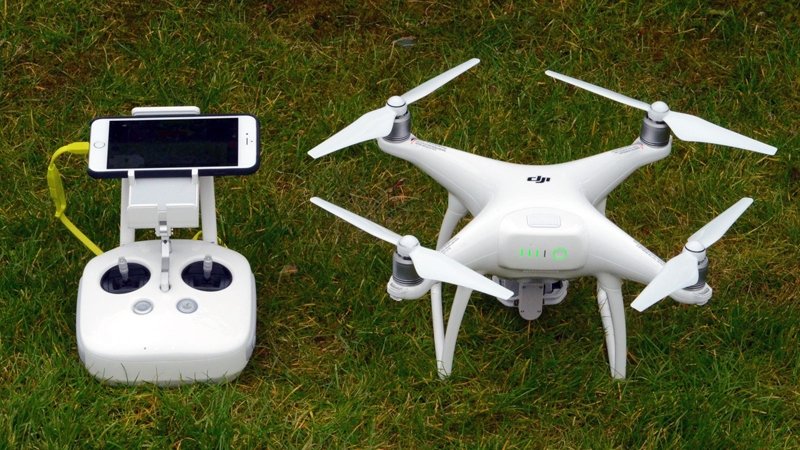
337 363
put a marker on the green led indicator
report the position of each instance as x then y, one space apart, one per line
556 254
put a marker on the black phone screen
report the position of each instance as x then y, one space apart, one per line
166 143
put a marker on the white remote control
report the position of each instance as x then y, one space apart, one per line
201 329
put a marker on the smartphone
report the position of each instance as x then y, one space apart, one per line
174 146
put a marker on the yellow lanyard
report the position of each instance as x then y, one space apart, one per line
57 192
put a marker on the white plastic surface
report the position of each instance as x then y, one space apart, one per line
575 192
493 190
165 345
556 241
149 111
150 198
612 286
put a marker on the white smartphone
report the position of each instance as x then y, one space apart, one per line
173 146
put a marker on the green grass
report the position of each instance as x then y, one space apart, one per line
337 363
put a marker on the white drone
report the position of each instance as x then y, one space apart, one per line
534 227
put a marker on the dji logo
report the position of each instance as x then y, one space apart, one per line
539 179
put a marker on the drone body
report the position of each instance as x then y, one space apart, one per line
536 226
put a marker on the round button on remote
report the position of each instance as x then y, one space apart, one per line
187 306
142 307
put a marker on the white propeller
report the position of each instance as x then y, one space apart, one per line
430 264
685 126
714 230
378 123
681 271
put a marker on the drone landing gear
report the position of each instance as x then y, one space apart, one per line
530 297
445 342
609 302
612 313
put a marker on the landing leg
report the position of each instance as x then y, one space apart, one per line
455 212
612 286
608 326
453 325
437 315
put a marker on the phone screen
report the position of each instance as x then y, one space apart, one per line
147 144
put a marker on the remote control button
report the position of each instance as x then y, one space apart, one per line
187 306
142 307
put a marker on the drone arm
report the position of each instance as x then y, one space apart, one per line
462 174
600 174
612 251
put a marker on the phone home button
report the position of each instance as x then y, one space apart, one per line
99 144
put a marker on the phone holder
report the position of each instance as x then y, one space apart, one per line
166 311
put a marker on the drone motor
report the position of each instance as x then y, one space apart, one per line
401 130
654 134
403 272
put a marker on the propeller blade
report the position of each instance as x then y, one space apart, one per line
438 81
378 123
611 95
372 125
686 127
435 265
429 264
358 221
714 230
678 273
690 128
681 271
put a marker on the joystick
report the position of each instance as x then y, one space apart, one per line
124 277
207 275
